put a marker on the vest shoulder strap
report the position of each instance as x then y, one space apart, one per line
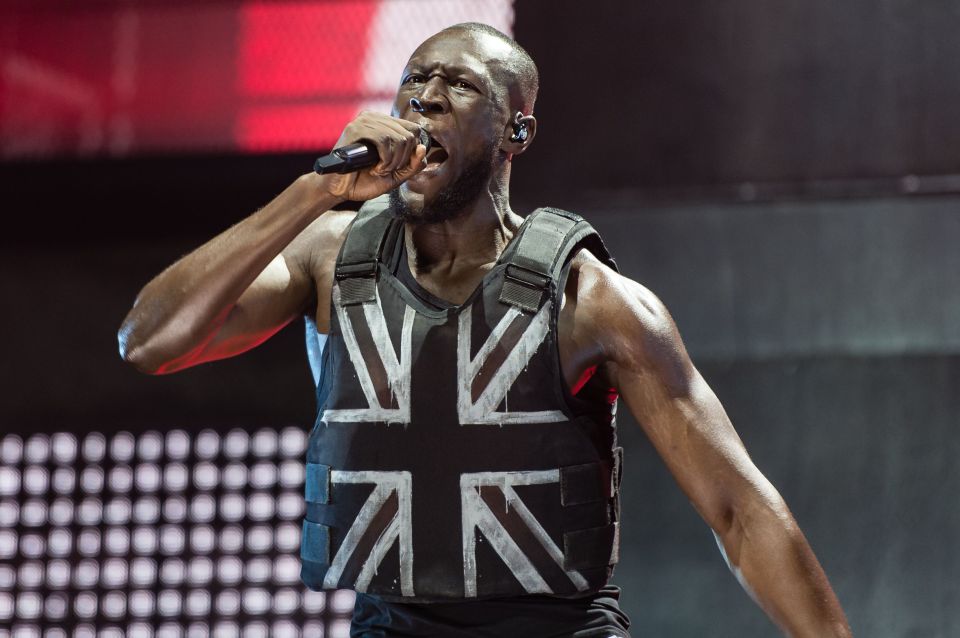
548 237
356 271
546 240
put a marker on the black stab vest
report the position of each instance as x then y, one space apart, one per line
448 460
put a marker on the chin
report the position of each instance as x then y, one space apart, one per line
426 185
407 199
441 195
406 204
416 200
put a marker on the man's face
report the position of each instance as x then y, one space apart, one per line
458 78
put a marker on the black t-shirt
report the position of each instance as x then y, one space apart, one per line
407 279
536 616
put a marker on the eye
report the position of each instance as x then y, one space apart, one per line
462 84
413 78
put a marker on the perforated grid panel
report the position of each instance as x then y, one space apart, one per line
157 534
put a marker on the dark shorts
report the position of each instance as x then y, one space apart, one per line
594 616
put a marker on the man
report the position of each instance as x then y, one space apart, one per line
463 469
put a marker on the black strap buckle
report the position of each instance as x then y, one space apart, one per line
361 269
523 288
527 277
357 282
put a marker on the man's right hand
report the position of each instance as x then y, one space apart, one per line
401 157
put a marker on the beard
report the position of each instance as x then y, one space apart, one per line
453 198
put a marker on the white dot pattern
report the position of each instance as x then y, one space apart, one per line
157 533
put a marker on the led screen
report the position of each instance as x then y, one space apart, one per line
119 78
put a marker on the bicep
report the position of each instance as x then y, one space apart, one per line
286 288
698 444
681 415
279 294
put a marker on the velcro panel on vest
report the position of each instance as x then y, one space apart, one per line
584 483
528 276
316 484
523 288
358 288
586 548
315 543
356 271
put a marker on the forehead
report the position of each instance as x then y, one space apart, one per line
479 54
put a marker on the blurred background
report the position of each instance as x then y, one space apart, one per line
785 176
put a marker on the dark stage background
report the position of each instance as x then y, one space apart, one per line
785 176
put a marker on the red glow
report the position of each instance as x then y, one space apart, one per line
582 381
303 49
290 128
300 50
116 77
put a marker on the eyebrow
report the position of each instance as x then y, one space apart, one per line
448 70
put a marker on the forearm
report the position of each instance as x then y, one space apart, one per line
688 426
181 309
769 555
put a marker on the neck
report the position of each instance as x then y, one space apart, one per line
474 237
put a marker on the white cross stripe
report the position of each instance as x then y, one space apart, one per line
483 410
397 370
398 529
476 515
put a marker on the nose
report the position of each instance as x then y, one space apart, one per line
425 105
430 95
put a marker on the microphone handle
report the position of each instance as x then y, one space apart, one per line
347 159
353 157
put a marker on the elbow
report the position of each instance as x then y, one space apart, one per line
138 358
137 353
154 354
140 361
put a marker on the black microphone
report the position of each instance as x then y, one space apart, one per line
353 157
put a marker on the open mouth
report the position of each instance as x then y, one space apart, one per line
437 154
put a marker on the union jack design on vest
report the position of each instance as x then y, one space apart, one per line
477 515
483 410
384 516
516 479
395 380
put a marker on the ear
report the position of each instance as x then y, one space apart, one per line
519 134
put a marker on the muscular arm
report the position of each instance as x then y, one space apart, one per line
242 286
234 291
646 361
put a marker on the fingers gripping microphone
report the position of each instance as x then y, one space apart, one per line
353 157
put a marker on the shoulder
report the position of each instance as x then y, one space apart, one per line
316 247
612 298
311 259
327 232
627 323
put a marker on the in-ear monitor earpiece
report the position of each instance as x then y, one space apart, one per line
519 129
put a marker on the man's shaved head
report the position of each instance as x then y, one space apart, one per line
524 78
465 86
